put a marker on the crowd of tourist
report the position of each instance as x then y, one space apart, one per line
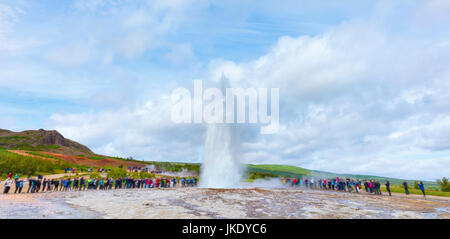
345 185
41 184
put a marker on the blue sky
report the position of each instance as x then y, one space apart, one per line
363 84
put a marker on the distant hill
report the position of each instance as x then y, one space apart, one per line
41 140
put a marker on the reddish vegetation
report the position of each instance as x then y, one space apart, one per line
86 161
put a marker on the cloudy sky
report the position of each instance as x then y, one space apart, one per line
364 85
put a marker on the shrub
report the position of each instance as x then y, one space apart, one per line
15 163
117 173
444 184
143 174
258 175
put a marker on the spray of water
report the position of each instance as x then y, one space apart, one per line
220 167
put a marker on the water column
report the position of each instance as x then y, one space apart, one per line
220 167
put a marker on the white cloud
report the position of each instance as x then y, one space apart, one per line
78 53
144 131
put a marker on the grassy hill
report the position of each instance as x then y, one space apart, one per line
41 140
279 170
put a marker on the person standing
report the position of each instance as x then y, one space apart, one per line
374 187
81 183
21 185
37 185
56 185
69 184
405 185
422 188
388 187
366 186
30 184
49 185
75 183
378 187
44 185
62 181
8 183
17 183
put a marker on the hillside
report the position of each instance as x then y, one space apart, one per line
41 140
51 145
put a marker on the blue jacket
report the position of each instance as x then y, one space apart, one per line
421 187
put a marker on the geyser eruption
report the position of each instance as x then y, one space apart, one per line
220 167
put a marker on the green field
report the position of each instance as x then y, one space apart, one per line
23 165
96 158
434 192
43 155
279 170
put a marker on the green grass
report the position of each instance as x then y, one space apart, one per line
280 170
15 163
428 191
43 155
23 143
252 176
13 139
129 159
96 158
29 147
24 165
